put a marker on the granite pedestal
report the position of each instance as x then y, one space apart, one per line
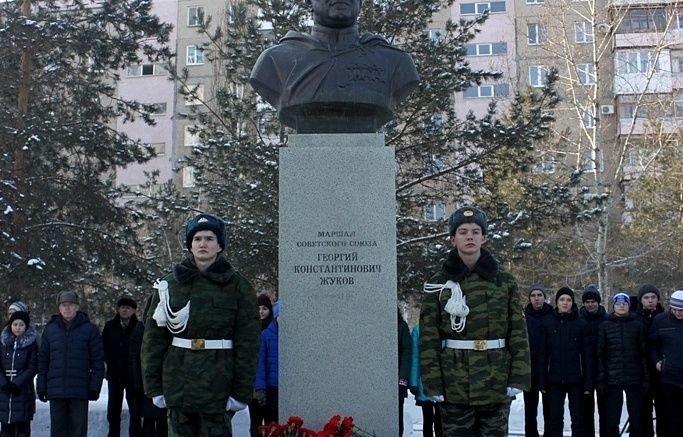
337 281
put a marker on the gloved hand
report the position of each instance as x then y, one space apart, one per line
159 401
437 398
235 405
260 397
42 396
93 395
513 392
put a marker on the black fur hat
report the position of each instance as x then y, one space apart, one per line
205 222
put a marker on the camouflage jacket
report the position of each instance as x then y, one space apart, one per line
467 376
222 306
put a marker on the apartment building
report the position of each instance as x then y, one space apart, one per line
149 83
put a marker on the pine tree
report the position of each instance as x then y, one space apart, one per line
63 225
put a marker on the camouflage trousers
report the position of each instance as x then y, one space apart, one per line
489 420
184 424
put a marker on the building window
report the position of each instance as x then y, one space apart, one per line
434 35
195 55
586 73
159 108
188 177
434 211
677 61
159 148
535 2
433 164
138 70
588 118
637 62
195 16
538 76
679 20
499 90
479 8
194 95
191 137
644 20
591 162
583 32
486 49
535 33
547 166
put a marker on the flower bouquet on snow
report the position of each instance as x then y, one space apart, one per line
335 427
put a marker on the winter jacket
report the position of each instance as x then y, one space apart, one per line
222 308
415 380
646 317
116 340
666 336
405 348
267 368
147 410
474 377
568 354
594 321
534 327
19 365
622 359
71 359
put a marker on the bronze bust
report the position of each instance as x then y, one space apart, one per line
334 80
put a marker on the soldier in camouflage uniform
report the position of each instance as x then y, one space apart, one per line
474 350
200 345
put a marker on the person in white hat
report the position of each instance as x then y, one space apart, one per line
666 338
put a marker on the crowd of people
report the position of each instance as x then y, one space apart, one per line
206 346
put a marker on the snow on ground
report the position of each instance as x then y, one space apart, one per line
412 419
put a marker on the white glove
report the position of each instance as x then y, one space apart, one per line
437 398
159 401
235 405
513 392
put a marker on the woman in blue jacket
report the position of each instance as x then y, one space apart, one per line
19 366
266 371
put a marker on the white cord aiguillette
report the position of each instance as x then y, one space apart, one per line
175 321
456 305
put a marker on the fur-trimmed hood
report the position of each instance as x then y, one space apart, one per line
486 266
26 340
219 272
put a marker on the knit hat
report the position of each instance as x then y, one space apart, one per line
564 290
21 315
467 214
591 293
205 222
264 300
127 301
67 297
18 306
648 288
538 287
621 297
676 300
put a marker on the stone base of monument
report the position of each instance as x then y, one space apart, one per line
337 281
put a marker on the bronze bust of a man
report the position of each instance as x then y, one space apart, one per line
334 80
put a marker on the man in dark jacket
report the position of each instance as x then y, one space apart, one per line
405 351
594 315
70 367
536 311
648 307
200 345
666 336
568 358
116 338
622 366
